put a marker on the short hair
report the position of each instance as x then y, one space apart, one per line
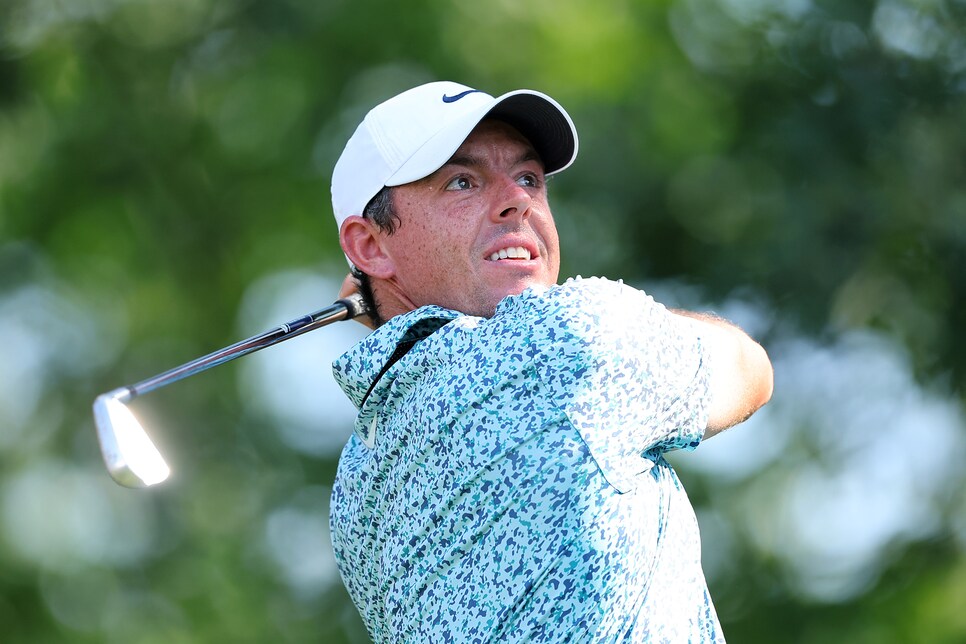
382 212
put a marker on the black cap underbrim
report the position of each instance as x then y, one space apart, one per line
548 129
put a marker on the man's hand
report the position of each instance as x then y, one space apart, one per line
742 378
350 286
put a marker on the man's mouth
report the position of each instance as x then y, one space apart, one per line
513 252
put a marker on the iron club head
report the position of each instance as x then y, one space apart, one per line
131 458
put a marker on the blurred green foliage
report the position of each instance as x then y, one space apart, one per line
803 158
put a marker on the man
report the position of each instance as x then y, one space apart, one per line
506 480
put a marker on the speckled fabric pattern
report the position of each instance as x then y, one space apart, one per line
506 480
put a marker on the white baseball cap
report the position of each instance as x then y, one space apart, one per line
413 134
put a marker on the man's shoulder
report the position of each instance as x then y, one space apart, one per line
575 295
580 306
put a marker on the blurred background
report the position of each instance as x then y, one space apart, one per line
798 166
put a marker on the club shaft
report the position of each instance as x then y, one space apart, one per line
343 309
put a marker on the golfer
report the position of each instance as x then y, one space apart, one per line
506 480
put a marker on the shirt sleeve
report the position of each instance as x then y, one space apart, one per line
629 375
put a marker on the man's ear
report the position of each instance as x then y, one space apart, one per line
361 242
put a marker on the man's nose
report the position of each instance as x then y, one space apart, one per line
514 201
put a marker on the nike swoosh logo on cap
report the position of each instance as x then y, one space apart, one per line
456 97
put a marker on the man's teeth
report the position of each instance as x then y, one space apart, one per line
517 252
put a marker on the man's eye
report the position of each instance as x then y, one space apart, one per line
459 183
528 181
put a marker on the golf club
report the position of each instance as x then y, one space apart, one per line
131 458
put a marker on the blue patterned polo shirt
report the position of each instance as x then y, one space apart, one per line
506 480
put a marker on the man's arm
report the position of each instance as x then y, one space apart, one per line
741 373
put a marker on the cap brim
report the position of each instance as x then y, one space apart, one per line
536 116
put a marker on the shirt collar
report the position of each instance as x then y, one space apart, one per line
356 369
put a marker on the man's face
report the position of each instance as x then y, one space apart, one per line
478 229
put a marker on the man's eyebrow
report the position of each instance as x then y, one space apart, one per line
467 160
